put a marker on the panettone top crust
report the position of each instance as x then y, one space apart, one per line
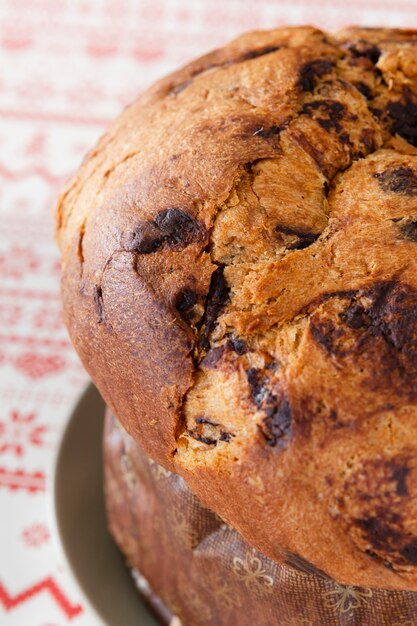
239 279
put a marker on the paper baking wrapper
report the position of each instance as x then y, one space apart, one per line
196 570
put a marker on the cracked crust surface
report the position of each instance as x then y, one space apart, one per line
239 279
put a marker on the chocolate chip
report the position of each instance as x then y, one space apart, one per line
254 54
345 140
184 303
98 301
367 138
256 384
376 112
289 230
237 345
172 227
204 420
302 243
392 315
379 486
145 239
363 49
213 356
355 316
403 116
177 227
383 531
409 231
400 473
305 238
278 421
326 334
333 110
409 552
312 71
196 435
217 297
381 313
383 319
364 89
401 180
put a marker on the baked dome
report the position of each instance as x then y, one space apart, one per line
239 279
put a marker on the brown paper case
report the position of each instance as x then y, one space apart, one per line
196 570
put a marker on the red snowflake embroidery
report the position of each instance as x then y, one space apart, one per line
19 431
35 535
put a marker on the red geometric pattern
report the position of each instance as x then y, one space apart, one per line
37 365
20 430
15 480
10 602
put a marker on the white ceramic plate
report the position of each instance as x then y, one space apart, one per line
80 521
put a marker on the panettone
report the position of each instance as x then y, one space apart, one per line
239 280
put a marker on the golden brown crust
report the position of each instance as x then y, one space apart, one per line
239 279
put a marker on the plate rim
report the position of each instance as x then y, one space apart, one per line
63 463
52 489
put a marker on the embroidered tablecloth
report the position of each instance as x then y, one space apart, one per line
66 68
